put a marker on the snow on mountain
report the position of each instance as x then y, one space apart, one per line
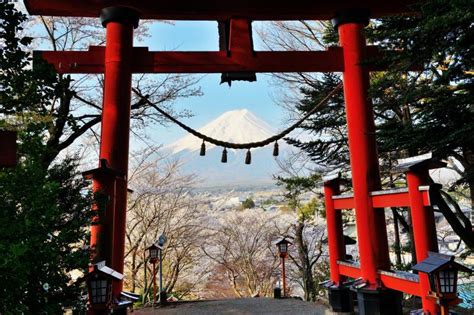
237 126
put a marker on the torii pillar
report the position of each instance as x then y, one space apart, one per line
115 126
370 222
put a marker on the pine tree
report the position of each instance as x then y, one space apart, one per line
415 112
44 209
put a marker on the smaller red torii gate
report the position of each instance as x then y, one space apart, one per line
119 59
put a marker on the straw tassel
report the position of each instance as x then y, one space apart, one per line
224 156
276 150
203 149
248 157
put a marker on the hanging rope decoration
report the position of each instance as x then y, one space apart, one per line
203 149
240 146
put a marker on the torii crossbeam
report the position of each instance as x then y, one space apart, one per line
119 59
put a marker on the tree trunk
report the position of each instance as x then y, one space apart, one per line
134 270
309 287
471 190
408 121
462 228
396 243
469 170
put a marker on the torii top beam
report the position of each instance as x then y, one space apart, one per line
219 9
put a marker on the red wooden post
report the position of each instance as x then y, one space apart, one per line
336 246
370 222
371 228
154 283
115 128
340 297
102 229
424 231
283 272
8 148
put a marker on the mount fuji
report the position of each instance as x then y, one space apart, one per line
237 126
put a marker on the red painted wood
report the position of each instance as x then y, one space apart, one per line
370 222
392 200
336 246
283 275
240 43
115 128
349 271
8 148
102 227
144 61
219 10
90 61
388 281
344 203
397 199
424 231
154 282
402 285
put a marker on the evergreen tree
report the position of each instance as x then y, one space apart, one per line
44 209
44 215
248 203
430 110
415 112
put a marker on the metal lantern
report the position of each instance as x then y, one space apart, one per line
154 252
99 284
442 271
448 280
283 247
100 289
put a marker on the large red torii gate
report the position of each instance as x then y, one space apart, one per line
119 59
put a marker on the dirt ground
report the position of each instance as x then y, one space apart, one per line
248 306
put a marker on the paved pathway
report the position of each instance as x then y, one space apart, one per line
248 306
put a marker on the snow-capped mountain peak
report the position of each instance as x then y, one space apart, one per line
236 126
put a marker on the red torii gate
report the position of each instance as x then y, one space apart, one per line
119 59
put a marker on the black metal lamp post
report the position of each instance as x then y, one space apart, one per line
161 243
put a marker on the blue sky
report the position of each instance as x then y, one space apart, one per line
200 36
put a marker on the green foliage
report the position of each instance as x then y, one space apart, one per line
430 110
328 127
270 201
416 112
248 203
22 89
294 187
44 209
43 220
308 210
